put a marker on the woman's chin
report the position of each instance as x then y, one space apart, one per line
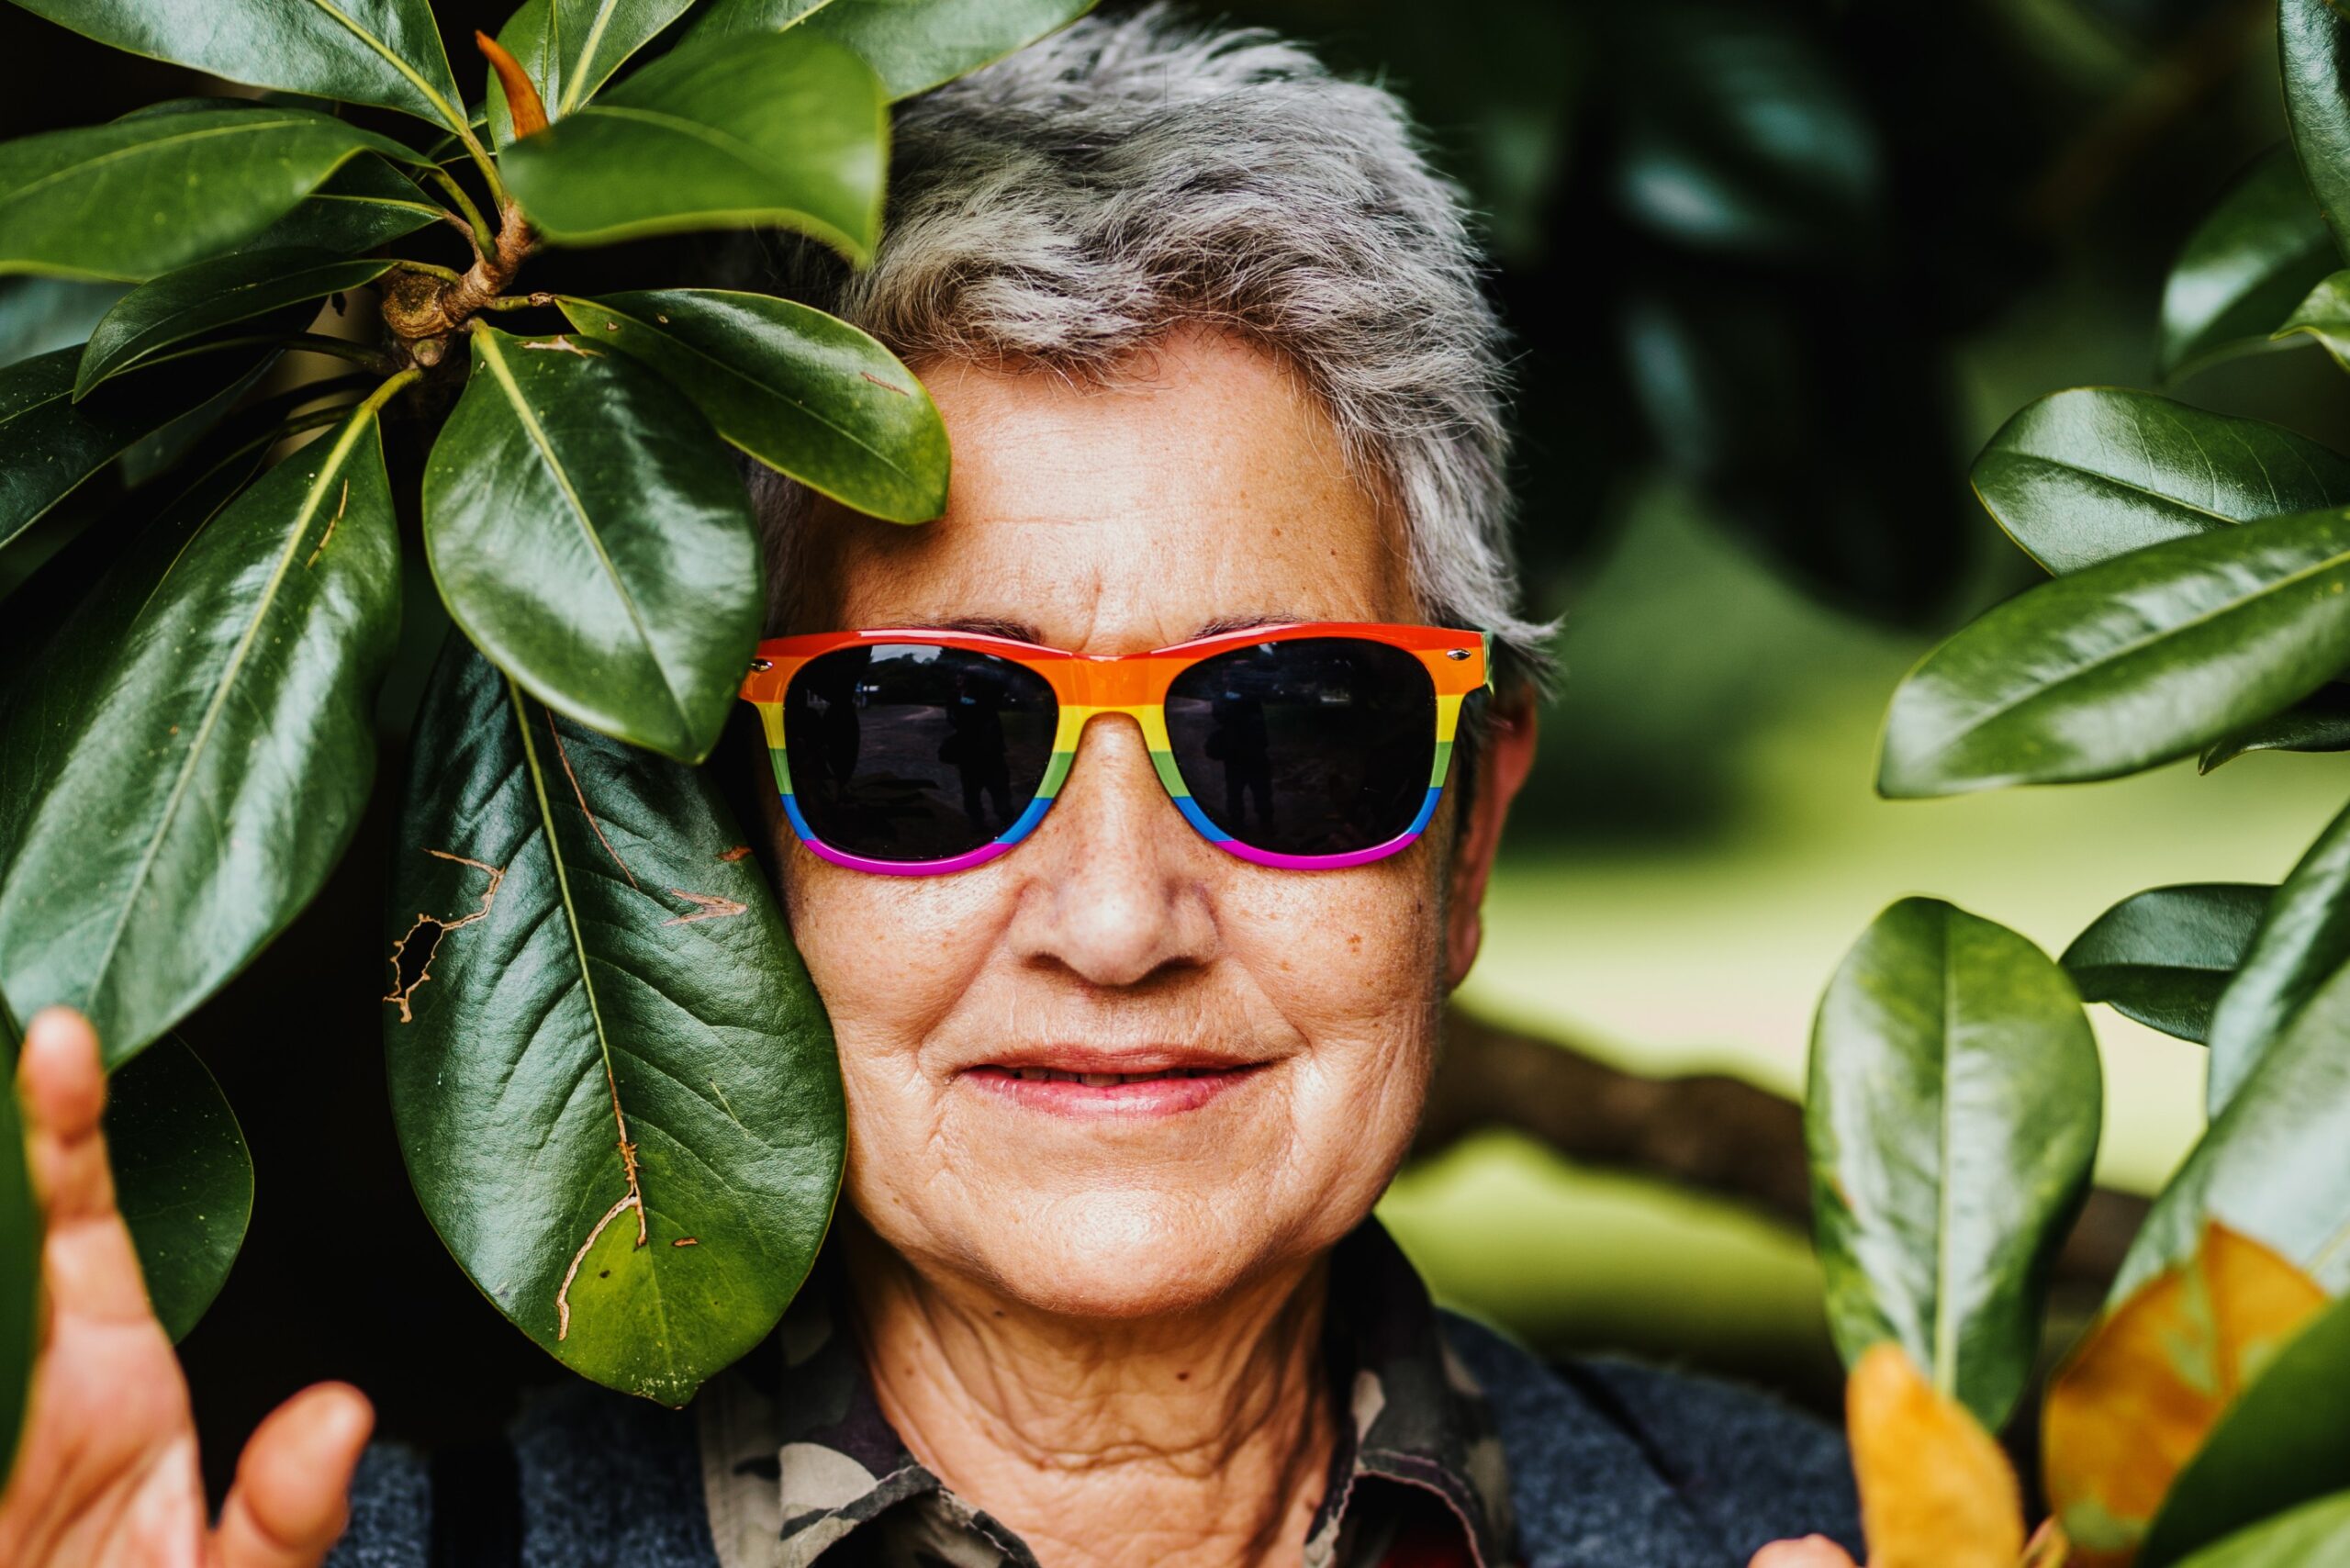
1120 1255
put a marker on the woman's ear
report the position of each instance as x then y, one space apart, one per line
1503 762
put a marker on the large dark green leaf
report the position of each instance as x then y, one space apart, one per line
2304 938
2311 35
143 196
2286 1440
49 444
2129 662
803 392
788 128
913 45
2163 956
201 298
39 314
1951 1119
20 1237
2315 1535
590 535
2320 722
364 52
613 1081
182 1178
2325 316
365 204
182 768
570 47
2247 264
2083 476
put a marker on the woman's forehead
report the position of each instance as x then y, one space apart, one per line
1204 488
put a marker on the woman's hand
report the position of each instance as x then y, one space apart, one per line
1811 1552
106 1473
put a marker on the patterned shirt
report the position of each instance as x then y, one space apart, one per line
799 1465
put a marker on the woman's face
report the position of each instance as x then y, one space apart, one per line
1205 491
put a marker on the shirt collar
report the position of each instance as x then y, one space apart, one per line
797 1456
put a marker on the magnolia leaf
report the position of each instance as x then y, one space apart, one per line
2324 314
181 769
2282 1442
805 393
49 444
171 309
2315 1535
2130 663
1951 1119
20 1249
2311 35
2137 1397
386 52
590 535
365 204
787 128
182 1178
1935 1490
2302 941
913 45
2079 477
38 315
2163 956
570 47
2252 259
2318 722
613 1082
145 194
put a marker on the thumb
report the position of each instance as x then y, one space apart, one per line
1811 1552
293 1487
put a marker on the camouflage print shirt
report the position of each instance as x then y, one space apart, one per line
800 1467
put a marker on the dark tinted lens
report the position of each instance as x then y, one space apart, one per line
903 751
1319 746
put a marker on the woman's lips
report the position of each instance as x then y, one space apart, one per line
1162 1091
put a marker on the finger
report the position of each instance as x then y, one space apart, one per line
91 1266
293 1487
1811 1552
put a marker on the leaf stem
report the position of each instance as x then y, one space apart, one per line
486 163
522 301
374 402
292 343
476 225
446 274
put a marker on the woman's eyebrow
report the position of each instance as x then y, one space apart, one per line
983 626
1223 623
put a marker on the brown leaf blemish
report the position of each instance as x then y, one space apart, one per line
560 344
885 385
731 855
581 796
687 1241
321 547
403 990
710 907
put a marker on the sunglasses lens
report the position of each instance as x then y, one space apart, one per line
1317 746
911 752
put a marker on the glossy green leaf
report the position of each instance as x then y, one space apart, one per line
590 535
386 52
570 47
2315 1535
2284 1441
1952 1120
2163 956
2312 36
2320 722
182 1178
2129 662
2304 937
21 1243
38 315
803 392
142 196
740 132
2248 263
2325 316
49 444
179 306
2082 475
180 771
913 45
613 1082
365 204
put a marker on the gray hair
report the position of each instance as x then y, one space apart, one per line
1134 173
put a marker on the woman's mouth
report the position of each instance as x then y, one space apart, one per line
1072 1091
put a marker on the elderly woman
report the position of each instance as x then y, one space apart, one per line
1125 1076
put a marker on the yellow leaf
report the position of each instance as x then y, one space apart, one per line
2138 1395
1935 1490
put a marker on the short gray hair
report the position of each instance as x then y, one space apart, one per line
1139 171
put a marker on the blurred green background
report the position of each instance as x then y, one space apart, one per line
1775 269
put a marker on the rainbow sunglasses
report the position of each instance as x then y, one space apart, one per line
1312 746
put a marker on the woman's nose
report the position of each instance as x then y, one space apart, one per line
1117 885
